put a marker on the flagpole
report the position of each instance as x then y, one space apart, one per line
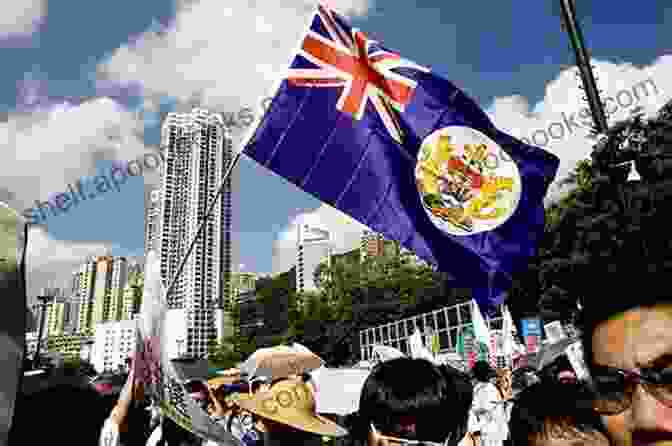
211 207
583 62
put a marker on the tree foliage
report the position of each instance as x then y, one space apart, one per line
600 212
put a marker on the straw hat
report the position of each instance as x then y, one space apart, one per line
290 402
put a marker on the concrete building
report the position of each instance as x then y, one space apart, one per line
70 345
58 317
117 284
110 279
114 342
86 280
197 150
152 221
374 244
313 246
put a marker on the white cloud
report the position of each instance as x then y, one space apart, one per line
53 145
219 58
620 83
345 233
21 17
50 261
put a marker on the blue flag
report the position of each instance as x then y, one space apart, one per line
407 154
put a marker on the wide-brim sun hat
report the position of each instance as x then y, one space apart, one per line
290 402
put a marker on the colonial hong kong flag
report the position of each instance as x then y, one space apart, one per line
406 153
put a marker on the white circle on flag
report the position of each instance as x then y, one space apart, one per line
467 183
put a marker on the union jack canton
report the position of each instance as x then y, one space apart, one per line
346 57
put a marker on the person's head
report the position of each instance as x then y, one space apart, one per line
412 399
40 418
288 412
483 372
550 413
627 326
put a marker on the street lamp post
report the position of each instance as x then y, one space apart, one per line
45 299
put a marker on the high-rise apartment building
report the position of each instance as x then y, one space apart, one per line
116 292
152 221
100 282
86 280
313 246
197 151
114 342
75 302
109 284
58 317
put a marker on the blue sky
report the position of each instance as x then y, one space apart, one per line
490 49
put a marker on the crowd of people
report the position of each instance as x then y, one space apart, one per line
407 401
626 401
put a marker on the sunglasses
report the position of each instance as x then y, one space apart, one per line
614 387
403 441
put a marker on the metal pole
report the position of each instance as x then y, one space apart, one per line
583 63
211 207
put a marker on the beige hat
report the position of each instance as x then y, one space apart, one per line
290 402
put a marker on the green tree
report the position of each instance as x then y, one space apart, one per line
601 212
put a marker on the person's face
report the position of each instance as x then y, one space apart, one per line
638 338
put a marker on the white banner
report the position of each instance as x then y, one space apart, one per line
158 374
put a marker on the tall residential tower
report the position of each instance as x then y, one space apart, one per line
197 150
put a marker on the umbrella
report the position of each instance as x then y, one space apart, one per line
280 362
550 352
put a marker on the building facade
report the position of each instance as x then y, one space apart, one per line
58 317
152 221
86 281
313 246
70 345
114 342
197 152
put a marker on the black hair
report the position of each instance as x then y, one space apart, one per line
417 388
552 370
482 371
39 418
551 409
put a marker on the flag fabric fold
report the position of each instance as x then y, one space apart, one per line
406 153
13 244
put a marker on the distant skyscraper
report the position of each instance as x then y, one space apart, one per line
116 291
313 246
109 283
58 315
197 150
152 221
87 275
